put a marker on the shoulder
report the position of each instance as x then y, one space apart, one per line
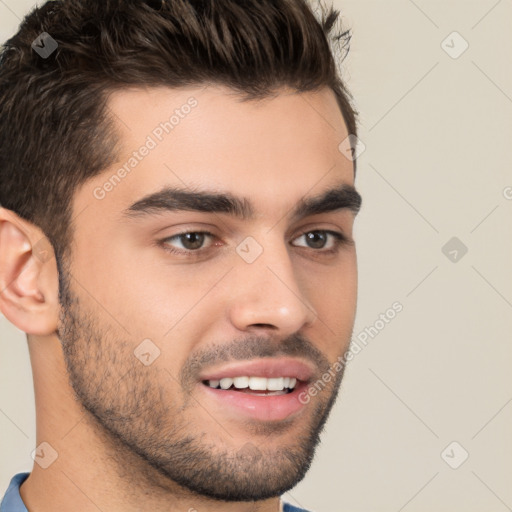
290 508
12 501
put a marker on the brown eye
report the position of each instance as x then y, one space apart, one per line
189 242
192 241
318 239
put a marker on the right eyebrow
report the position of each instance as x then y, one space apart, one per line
176 199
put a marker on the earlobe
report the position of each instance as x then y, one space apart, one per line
28 276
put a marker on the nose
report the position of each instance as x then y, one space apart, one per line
267 295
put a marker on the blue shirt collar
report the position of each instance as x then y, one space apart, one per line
12 501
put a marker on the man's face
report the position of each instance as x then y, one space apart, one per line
265 299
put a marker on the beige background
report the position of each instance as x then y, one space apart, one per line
437 132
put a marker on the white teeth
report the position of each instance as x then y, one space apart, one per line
226 383
255 383
241 382
258 383
275 384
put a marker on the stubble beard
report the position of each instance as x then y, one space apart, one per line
125 400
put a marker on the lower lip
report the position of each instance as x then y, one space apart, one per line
259 407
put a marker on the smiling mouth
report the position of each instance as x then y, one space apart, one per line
258 386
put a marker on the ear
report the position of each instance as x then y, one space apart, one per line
29 284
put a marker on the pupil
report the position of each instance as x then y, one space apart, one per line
317 239
196 240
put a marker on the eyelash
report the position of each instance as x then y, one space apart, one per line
340 240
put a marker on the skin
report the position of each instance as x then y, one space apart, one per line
121 288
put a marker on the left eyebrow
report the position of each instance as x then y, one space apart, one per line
177 199
345 197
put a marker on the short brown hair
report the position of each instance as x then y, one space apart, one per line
55 128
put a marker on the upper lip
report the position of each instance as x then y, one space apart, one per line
262 367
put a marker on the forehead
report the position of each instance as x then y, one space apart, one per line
281 147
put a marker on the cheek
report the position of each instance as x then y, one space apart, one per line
174 305
332 292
